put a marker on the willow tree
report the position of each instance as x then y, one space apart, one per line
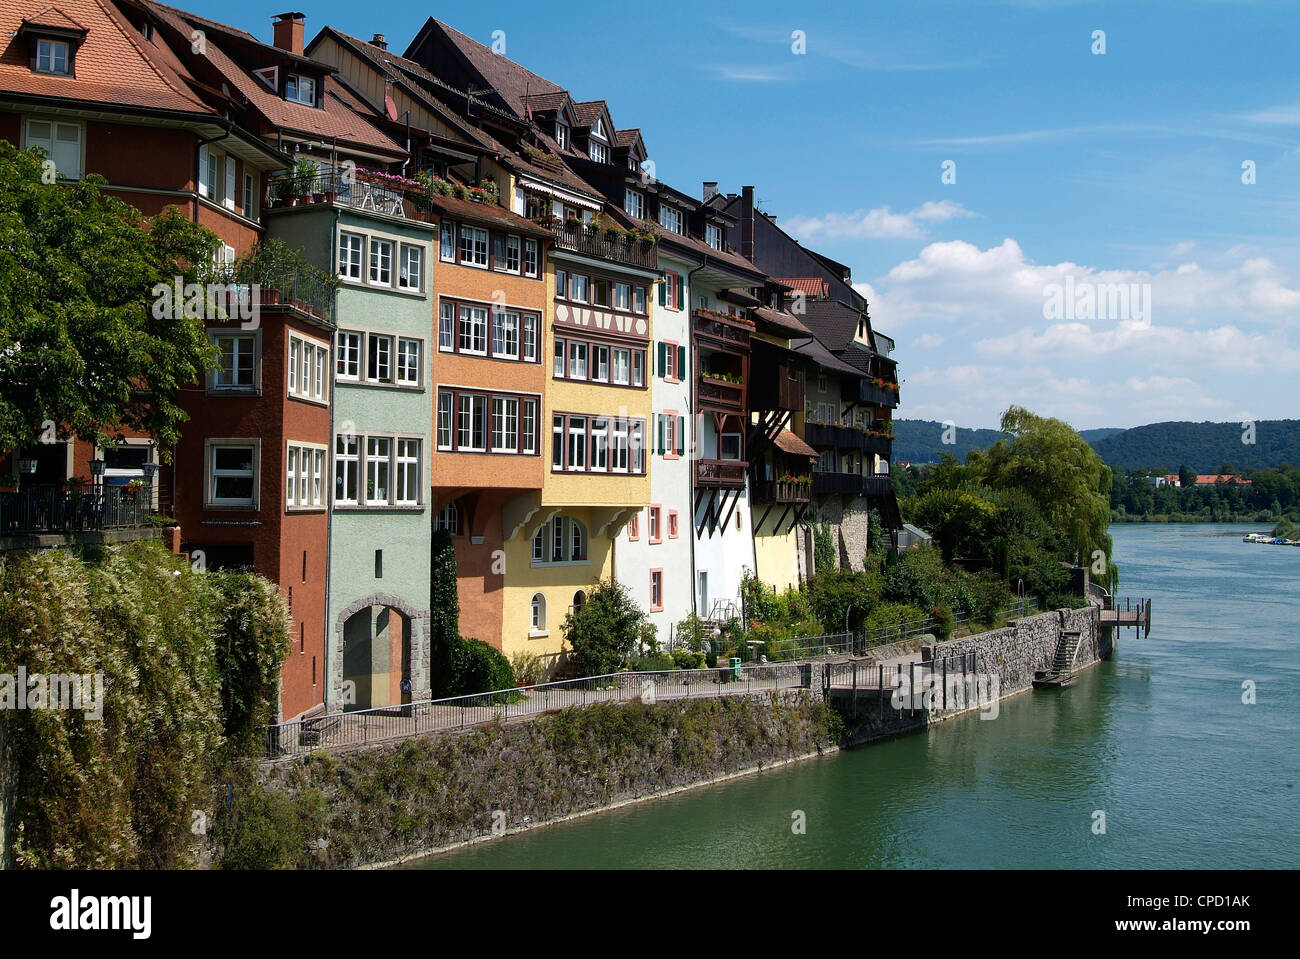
80 344
1050 462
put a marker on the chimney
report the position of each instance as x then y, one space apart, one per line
289 29
379 41
710 190
747 223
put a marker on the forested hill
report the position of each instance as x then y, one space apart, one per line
1203 447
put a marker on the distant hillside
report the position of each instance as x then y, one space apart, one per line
921 441
1201 446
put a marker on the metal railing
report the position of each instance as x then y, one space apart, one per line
53 509
364 726
594 240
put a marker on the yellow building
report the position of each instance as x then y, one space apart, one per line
598 434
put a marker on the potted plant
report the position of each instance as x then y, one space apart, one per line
305 172
283 192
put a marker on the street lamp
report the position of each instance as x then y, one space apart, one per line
150 471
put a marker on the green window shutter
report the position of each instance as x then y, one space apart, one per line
681 435
660 418
681 362
663 293
663 358
681 303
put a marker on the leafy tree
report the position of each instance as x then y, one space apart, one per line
444 614
834 592
79 341
1186 477
604 631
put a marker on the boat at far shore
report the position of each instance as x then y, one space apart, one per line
1269 539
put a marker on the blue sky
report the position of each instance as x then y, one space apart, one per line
1071 167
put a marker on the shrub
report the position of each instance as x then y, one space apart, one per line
528 668
823 548
652 662
690 633
832 593
688 659
891 616
477 667
943 621
991 596
605 630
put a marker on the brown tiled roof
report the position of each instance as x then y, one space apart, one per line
814 286
54 17
511 81
833 322
625 138
588 110
790 443
335 119
491 214
698 247
785 324
541 102
114 67
816 351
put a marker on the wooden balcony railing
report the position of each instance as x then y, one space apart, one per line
784 491
721 394
726 331
850 484
870 393
728 473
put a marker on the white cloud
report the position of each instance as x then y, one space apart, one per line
878 224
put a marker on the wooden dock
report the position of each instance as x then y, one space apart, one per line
1133 613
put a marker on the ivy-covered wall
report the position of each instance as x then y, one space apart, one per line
386 803
190 664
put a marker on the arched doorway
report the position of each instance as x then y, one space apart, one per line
376 658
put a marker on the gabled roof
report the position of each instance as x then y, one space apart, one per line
790 443
546 102
335 119
488 213
782 323
816 351
589 111
816 287
833 322
56 18
627 138
114 67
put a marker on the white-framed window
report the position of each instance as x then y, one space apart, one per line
562 135
447 327
598 151
237 361
347 349
579 288
473 246
557 442
656 589
381 262
713 235
228 194
408 361
557 359
250 197
473 330
531 261
308 361
378 451
638 300
505 424
304 473
620 444
52 56
411 274
448 518
537 621
561 541
656 535
729 446
623 296
634 203
600 363
447 242
622 366
347 466
350 247
562 284
444 420
300 89
577 459
61 143
471 423
379 358
577 360
599 444
638 367
232 472
600 292
408 472
505 335
670 218
505 253
528 426
530 335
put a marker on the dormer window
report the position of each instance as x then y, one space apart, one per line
670 218
300 89
713 235
562 135
598 152
52 57
597 128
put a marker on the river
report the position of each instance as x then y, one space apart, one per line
1158 739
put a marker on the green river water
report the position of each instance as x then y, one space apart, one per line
1158 739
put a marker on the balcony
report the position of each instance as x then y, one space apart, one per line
726 331
868 392
38 510
832 436
851 484
720 394
728 474
601 242
785 491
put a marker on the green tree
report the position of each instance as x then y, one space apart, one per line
79 341
444 614
604 631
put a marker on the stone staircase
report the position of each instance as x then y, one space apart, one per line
1061 672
